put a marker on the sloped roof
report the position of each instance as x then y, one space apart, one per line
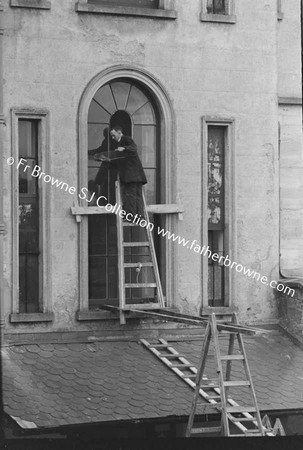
50 385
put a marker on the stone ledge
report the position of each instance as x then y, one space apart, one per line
290 100
37 4
126 11
219 18
31 317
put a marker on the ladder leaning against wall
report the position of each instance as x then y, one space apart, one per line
123 266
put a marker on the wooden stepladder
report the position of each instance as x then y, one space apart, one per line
158 302
232 417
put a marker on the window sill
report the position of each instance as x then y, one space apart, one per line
219 18
31 317
207 310
96 315
37 4
126 11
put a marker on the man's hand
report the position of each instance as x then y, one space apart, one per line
120 149
103 158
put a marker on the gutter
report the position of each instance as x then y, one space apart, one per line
2 227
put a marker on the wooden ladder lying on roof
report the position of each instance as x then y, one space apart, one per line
236 420
123 266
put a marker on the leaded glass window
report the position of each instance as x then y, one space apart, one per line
124 103
216 147
29 252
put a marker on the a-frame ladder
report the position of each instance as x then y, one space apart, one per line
122 265
249 414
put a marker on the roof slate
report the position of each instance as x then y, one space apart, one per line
63 384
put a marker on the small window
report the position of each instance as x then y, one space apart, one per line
153 4
218 11
217 7
30 217
217 207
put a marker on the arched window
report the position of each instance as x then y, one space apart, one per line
126 103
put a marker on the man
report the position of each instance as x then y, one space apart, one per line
130 170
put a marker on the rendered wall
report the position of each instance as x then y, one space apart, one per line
207 69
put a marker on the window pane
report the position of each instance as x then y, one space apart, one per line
133 3
136 99
215 176
145 138
216 6
121 92
105 98
27 138
96 114
144 115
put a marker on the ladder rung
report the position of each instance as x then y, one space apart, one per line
213 386
193 376
129 224
241 419
206 430
159 346
138 264
136 244
231 357
240 409
171 356
140 285
243 435
256 431
236 383
185 366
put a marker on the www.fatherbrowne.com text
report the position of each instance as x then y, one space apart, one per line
193 245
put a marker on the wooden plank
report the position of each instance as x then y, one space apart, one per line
140 285
204 430
154 209
141 307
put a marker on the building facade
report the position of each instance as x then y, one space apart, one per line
211 93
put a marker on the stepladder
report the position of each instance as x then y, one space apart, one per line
230 380
139 279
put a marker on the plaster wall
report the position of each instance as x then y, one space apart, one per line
291 146
207 69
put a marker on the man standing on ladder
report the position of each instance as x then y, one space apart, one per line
130 170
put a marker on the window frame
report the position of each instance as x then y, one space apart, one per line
36 4
229 210
169 207
45 314
163 12
228 17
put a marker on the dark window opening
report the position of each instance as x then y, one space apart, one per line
152 4
29 251
217 7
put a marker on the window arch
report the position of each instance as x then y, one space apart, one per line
157 98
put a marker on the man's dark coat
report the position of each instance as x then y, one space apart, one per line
128 163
